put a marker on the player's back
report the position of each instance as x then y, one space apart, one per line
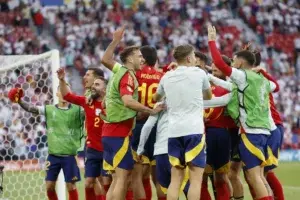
148 78
183 88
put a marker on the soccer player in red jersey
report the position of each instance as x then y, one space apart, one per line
121 109
148 78
218 139
94 151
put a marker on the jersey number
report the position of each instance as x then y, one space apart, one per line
97 121
149 93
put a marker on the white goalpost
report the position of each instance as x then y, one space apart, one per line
23 143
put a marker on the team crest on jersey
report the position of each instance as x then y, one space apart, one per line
97 112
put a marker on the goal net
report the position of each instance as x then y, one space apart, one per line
23 141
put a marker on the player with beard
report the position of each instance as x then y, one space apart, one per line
121 109
94 151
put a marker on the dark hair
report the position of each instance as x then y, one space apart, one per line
248 56
201 56
97 71
127 52
149 54
102 79
226 60
257 57
182 51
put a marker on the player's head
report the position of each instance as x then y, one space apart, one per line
59 95
185 55
257 58
218 73
91 74
132 56
98 88
149 54
243 59
201 59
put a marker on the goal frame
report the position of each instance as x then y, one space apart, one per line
55 65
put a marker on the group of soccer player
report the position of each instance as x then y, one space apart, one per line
180 128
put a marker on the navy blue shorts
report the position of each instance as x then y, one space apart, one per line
187 149
235 140
253 150
274 145
94 163
163 174
67 163
218 149
117 153
148 156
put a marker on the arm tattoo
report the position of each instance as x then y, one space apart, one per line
29 108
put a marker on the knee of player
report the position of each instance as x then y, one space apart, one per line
71 186
89 182
233 176
50 186
221 177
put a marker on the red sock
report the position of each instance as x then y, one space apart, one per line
73 194
100 197
275 186
90 194
106 187
222 191
204 192
147 187
162 198
52 195
129 195
264 198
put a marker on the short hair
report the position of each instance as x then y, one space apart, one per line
182 51
96 71
201 56
226 60
257 57
127 52
102 79
150 54
248 56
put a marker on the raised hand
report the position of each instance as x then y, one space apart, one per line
61 73
15 95
247 46
119 33
211 33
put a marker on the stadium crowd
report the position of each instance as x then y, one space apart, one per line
84 31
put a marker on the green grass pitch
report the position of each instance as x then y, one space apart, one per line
30 185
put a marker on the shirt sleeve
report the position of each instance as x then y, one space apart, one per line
239 77
126 85
75 99
219 82
160 89
270 78
146 130
217 101
206 84
41 110
116 67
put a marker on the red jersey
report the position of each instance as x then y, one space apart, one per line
93 122
215 116
275 115
121 129
148 79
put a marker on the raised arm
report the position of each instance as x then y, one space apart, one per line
108 57
217 58
219 82
15 96
63 86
